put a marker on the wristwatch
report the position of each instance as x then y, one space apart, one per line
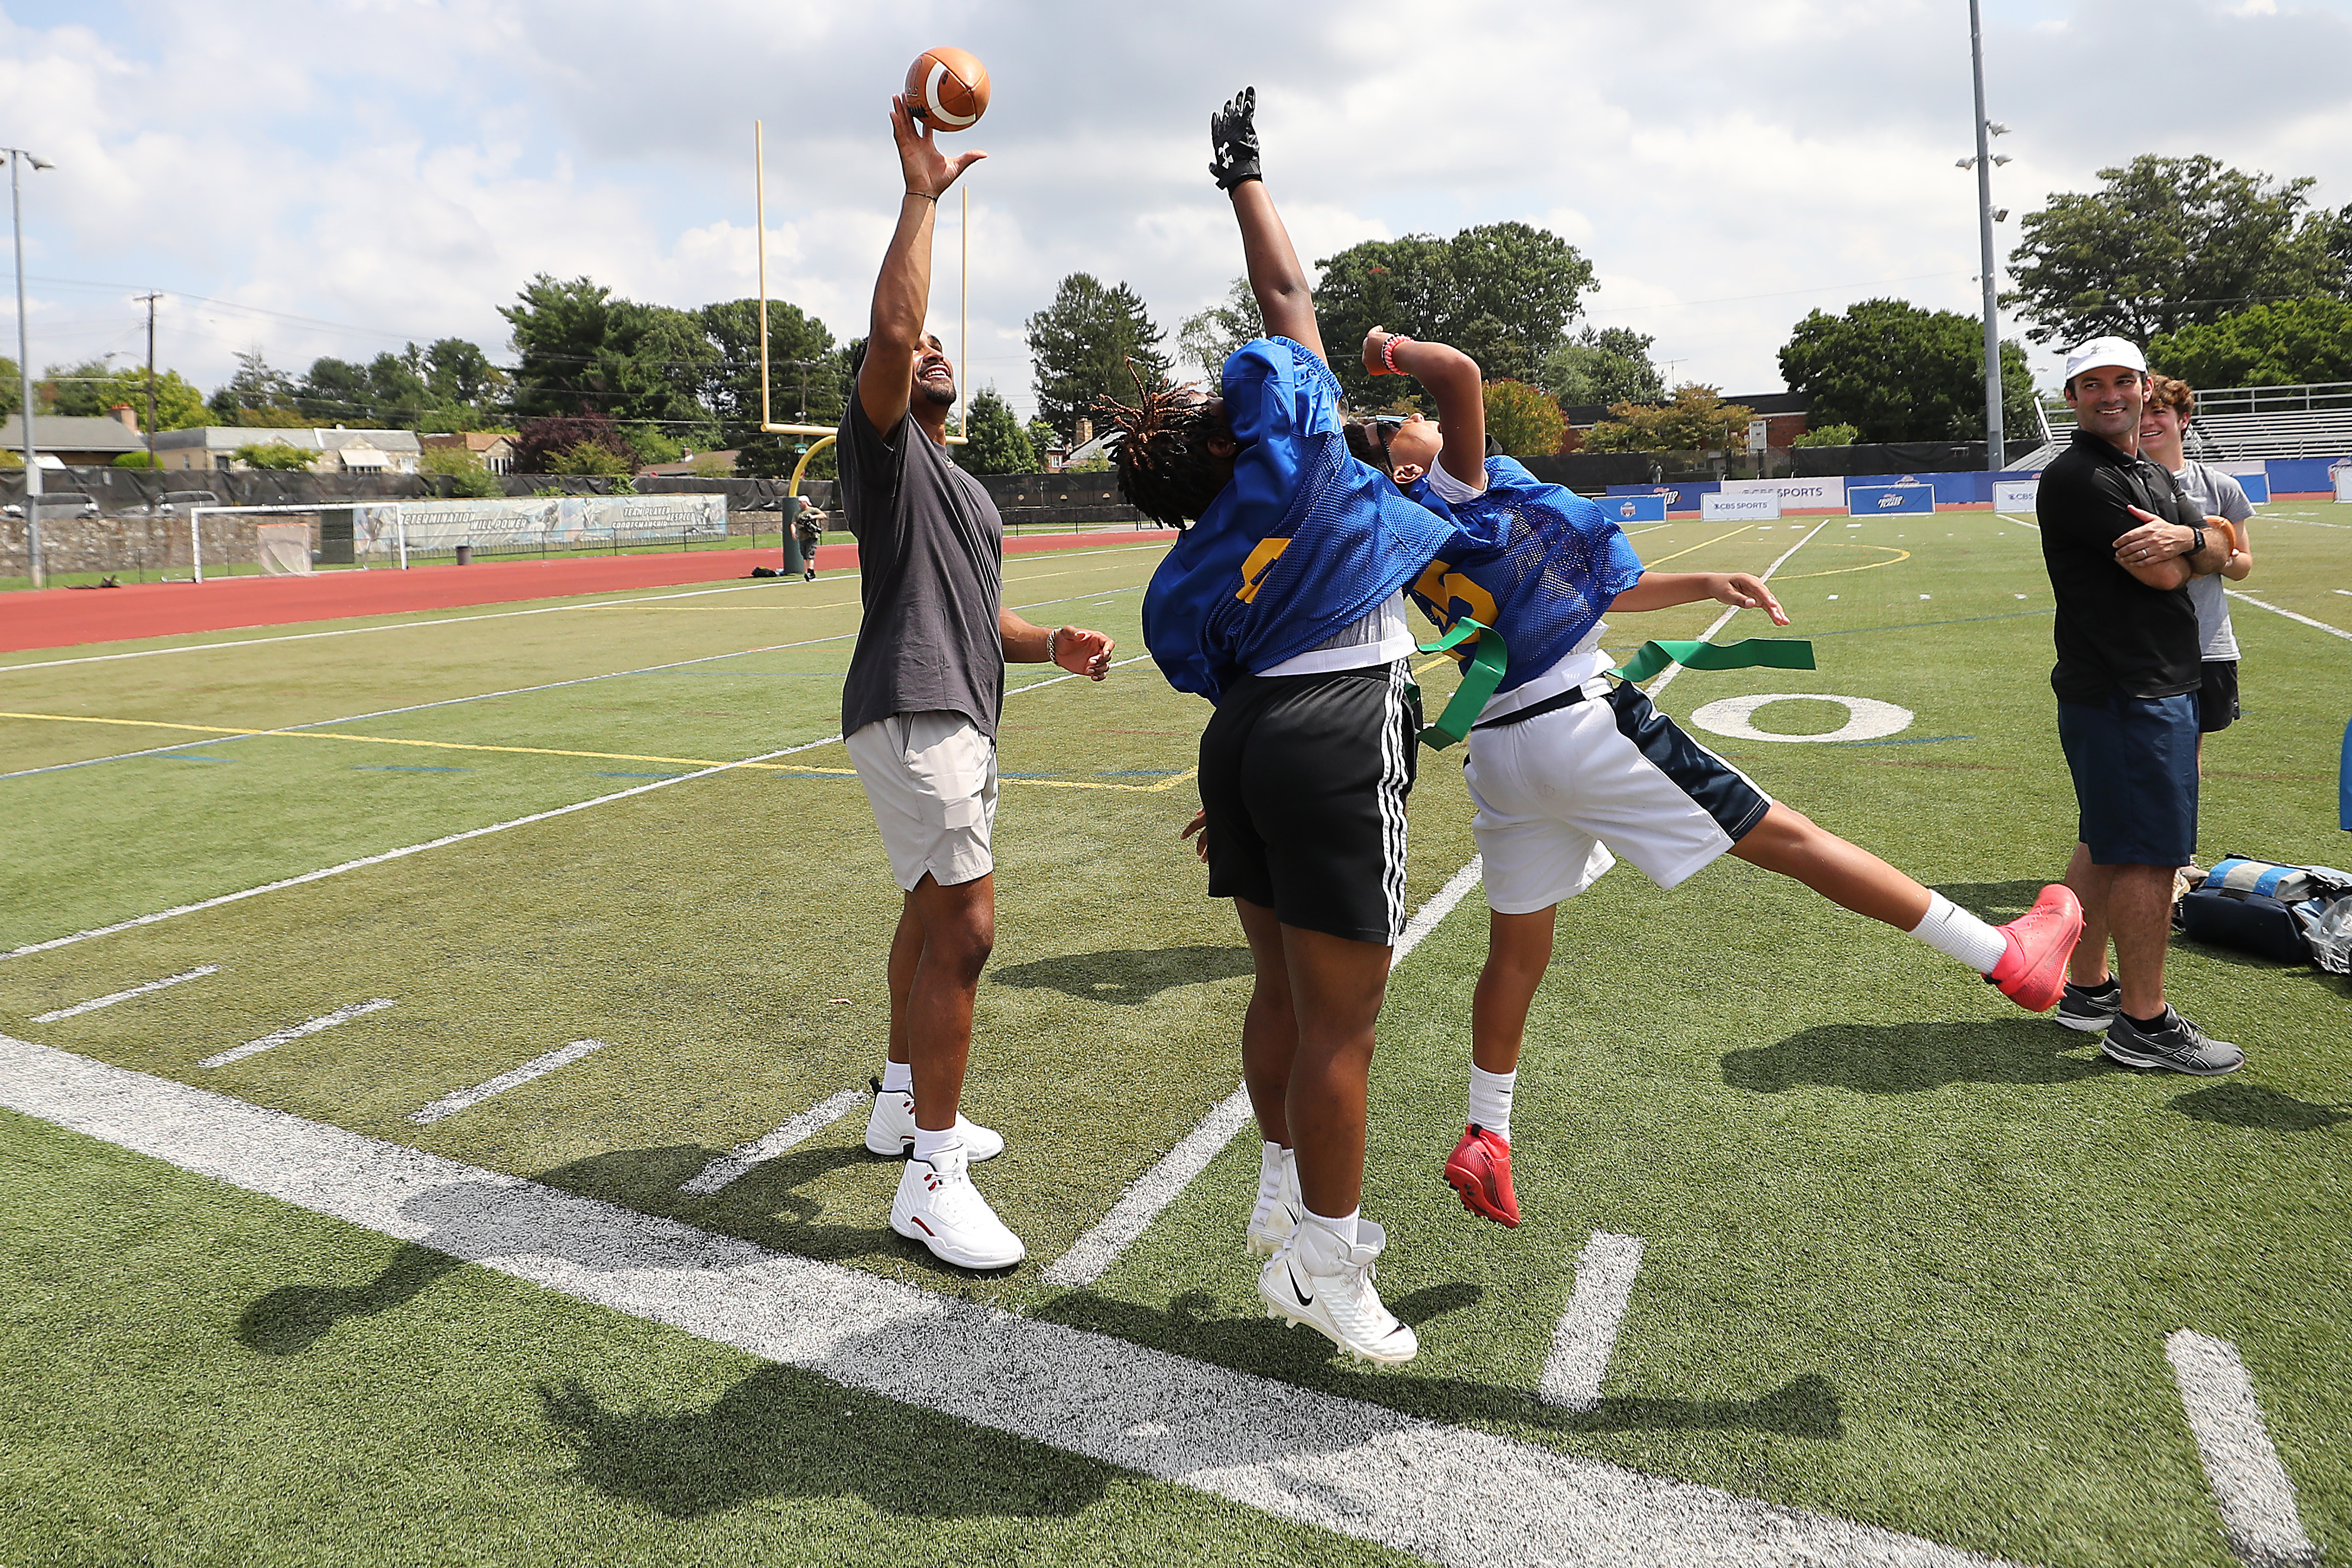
2196 542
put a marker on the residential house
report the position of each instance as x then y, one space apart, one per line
494 451
212 448
61 441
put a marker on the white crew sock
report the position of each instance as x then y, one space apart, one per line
897 1077
928 1143
1342 1229
1953 932
1490 1101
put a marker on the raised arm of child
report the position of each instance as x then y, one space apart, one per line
1285 299
1452 378
1660 590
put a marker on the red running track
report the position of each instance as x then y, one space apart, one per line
61 617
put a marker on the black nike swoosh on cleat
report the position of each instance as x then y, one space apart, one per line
1303 1299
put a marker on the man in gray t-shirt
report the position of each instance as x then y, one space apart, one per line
918 714
2164 422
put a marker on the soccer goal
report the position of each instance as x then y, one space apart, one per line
295 539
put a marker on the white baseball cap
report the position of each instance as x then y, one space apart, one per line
2107 350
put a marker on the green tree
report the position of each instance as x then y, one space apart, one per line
1897 373
1502 293
254 386
1828 435
581 349
11 392
1602 365
2173 242
92 391
1208 338
463 470
1525 419
1043 438
462 376
1695 419
274 455
808 380
2284 344
136 461
998 445
1081 346
592 458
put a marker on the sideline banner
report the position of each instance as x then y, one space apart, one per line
2016 495
1826 494
1890 501
433 526
1739 504
1623 509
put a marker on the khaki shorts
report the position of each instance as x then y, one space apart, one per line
931 781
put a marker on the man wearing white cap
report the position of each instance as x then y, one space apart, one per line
2127 676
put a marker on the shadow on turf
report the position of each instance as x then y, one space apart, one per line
782 1432
1126 976
1997 902
1905 1058
1806 1407
292 1318
2263 1109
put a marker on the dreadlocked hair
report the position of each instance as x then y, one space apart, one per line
1165 468
1361 447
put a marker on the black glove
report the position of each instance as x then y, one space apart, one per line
1233 140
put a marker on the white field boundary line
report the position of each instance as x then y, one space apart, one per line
448 1105
744 1158
1451 1494
95 1003
513 691
1724 619
1153 1191
493 615
2290 615
2250 1486
1586 1335
296 1031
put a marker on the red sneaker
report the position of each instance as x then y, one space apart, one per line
1480 1170
2032 971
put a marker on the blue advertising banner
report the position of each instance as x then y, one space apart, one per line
1889 501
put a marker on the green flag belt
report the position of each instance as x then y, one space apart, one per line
1485 671
1479 679
1771 653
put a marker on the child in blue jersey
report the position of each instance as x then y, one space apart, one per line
1283 605
1562 769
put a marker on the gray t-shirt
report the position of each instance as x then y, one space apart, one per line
2215 495
930 559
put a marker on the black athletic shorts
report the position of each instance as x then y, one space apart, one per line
2217 698
1304 779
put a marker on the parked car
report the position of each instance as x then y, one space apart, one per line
177 502
59 503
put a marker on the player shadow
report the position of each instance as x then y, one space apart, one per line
1806 1407
1906 1058
782 1432
2341 984
1995 902
292 1318
1126 976
2263 1109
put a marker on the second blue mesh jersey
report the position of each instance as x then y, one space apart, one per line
1305 541
1536 562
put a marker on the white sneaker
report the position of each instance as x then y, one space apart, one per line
1276 1217
937 1205
890 1129
1322 1282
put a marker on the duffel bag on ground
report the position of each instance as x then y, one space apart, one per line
2251 905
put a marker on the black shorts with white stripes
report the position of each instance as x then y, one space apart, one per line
1304 779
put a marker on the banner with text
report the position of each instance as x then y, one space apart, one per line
1825 494
1745 505
551 522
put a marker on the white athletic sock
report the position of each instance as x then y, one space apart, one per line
1343 1229
1490 1101
1953 932
928 1143
897 1077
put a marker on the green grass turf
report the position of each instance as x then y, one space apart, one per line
1911 1255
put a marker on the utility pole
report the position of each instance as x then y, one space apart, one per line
1996 444
151 300
17 157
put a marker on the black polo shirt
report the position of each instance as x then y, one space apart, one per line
2114 632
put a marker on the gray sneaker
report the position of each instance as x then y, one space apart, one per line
2089 1009
2175 1043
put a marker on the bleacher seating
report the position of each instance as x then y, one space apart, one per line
2241 423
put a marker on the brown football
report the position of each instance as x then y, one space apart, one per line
948 89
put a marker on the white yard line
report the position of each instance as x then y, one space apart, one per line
2250 1486
2290 615
537 1067
1586 1335
1153 1191
296 1031
728 1167
1451 1494
494 615
1724 619
95 1003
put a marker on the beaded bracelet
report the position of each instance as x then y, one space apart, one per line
1388 352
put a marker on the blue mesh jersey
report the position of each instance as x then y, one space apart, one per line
1305 541
1537 563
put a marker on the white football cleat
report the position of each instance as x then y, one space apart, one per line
891 1128
1320 1281
937 1205
1277 1216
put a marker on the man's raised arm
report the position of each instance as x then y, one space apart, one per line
902 294
1286 301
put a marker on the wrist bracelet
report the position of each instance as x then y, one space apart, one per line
1388 352
1050 636
926 196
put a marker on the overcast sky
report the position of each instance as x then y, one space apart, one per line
344 177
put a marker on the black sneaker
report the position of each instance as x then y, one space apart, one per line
2090 1008
2174 1043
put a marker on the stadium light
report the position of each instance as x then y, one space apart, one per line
1996 127
1996 442
17 157
1964 162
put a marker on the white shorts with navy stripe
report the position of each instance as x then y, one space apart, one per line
1557 793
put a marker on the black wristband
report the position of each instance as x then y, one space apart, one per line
2196 540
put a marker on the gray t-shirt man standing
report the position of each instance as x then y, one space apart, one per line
919 710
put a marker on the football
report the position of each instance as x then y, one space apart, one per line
948 89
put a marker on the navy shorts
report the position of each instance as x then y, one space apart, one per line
2135 764
2217 699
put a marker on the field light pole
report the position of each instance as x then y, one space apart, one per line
17 158
1996 444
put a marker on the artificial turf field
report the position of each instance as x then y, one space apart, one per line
1910 1257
